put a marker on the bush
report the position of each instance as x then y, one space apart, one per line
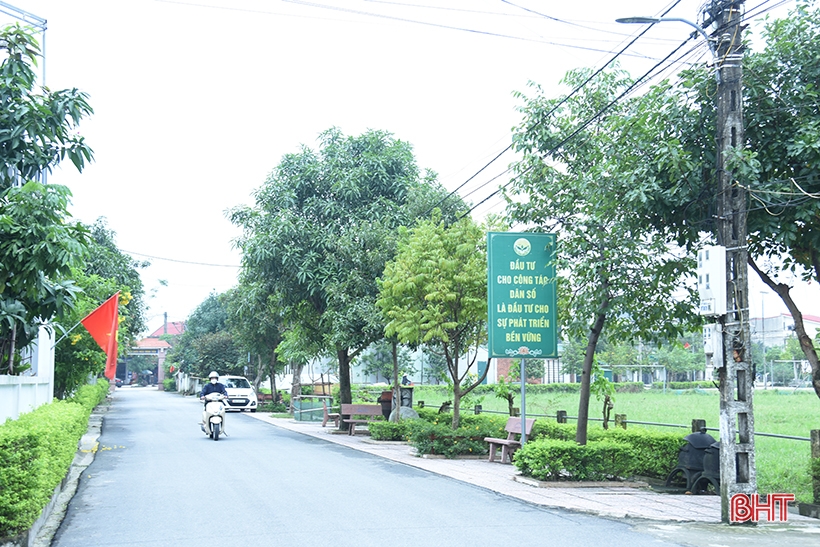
440 438
90 395
35 453
277 408
389 431
169 384
552 460
654 454
552 430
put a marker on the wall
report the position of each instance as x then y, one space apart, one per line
21 394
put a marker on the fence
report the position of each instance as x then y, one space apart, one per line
20 394
621 421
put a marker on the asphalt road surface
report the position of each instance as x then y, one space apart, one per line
158 480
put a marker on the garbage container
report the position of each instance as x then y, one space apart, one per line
406 394
386 400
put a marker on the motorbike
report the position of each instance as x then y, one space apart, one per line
213 415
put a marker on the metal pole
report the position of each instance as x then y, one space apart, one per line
737 468
523 402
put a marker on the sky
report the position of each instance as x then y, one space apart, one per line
196 102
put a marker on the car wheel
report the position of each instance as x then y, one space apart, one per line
253 410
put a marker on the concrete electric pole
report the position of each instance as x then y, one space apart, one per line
729 339
737 449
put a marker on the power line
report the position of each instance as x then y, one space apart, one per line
181 261
585 124
443 26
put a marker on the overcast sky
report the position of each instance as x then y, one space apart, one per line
197 101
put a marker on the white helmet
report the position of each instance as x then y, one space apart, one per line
213 374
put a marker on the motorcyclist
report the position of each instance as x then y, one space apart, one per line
213 386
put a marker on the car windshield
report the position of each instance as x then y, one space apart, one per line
237 383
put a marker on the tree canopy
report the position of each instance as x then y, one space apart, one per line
618 272
38 243
321 231
434 292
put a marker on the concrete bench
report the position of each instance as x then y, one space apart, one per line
348 411
510 444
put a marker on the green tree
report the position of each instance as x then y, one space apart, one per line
620 275
672 132
37 250
435 292
207 344
322 229
433 365
104 259
378 359
105 271
255 319
38 246
38 127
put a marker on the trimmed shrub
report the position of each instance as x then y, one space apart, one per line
35 453
440 438
552 460
654 453
389 431
90 395
553 430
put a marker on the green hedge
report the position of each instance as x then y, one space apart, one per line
388 431
36 452
551 460
441 439
654 454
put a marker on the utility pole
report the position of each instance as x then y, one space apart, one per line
737 451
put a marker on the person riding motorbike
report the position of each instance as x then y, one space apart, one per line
213 386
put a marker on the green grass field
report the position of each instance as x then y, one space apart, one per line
782 464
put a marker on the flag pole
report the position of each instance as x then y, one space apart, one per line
65 334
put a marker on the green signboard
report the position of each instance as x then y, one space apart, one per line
521 295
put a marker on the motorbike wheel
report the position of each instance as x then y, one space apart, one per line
216 431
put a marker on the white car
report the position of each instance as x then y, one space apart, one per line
241 395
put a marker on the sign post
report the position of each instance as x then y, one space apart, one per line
521 296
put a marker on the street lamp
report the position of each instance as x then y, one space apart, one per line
737 454
653 20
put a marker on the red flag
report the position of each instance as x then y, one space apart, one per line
101 324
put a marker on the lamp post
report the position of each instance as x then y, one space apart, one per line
737 469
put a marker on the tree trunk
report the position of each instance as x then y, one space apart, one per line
260 373
296 384
586 380
12 348
396 389
806 343
456 403
272 374
345 394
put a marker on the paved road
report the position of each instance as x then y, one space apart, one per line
157 480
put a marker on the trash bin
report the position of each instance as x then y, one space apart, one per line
406 395
386 400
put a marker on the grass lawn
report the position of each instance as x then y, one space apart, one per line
782 464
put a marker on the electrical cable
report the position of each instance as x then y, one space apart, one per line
584 125
181 261
548 114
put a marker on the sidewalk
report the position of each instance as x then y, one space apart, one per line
621 501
